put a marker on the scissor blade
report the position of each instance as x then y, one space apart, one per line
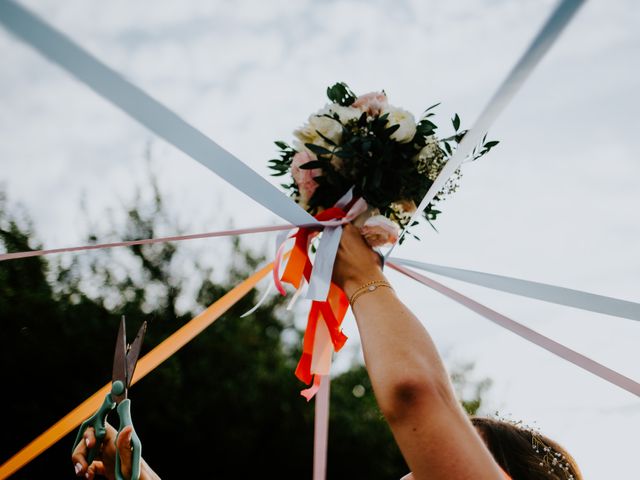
134 352
120 356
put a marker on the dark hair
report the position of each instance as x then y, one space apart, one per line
521 453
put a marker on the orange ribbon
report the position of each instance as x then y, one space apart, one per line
146 364
332 311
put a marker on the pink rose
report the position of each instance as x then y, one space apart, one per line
372 103
304 178
379 231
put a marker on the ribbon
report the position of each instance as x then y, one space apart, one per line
148 363
542 42
321 428
528 334
539 291
323 334
143 108
146 241
331 221
328 247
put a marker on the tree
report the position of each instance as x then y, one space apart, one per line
227 404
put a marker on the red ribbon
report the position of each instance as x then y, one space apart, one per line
332 310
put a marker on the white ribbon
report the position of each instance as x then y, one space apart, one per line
532 336
539 291
541 43
260 302
320 280
149 112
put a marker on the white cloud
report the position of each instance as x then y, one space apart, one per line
555 202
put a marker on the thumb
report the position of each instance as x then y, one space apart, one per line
123 445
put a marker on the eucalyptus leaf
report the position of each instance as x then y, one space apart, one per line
456 122
311 165
341 94
317 149
326 139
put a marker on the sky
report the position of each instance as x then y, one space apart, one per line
555 202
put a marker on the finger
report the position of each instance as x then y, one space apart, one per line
98 468
79 455
109 442
91 471
90 437
123 444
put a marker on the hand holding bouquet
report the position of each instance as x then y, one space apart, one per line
363 161
380 150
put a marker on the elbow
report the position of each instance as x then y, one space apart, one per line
409 397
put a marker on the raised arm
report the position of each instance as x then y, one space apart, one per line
409 380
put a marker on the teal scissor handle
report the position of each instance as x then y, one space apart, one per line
124 412
97 421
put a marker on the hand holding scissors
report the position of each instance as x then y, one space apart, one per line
124 363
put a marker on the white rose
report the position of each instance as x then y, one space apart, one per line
407 122
306 134
345 114
328 127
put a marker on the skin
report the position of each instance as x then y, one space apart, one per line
409 380
104 464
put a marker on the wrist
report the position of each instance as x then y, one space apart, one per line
352 284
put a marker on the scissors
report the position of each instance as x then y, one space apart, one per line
124 364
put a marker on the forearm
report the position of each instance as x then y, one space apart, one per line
399 353
410 383
413 390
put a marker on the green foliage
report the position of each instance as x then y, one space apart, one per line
227 403
470 392
341 94
381 169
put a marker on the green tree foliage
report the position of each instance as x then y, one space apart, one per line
225 406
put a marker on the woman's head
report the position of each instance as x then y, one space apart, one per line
525 454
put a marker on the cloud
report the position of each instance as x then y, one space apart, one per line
555 202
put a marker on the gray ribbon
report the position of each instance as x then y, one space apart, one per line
545 38
320 280
59 49
547 343
539 291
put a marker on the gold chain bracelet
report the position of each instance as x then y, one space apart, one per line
368 287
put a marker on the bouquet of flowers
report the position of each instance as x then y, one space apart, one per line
380 150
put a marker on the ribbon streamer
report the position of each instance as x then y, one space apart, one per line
539 291
328 247
140 106
532 336
150 361
321 429
147 241
542 42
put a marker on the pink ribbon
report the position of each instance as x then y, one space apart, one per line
222 233
277 264
321 427
552 346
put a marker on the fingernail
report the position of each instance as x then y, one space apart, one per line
86 441
86 475
78 467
